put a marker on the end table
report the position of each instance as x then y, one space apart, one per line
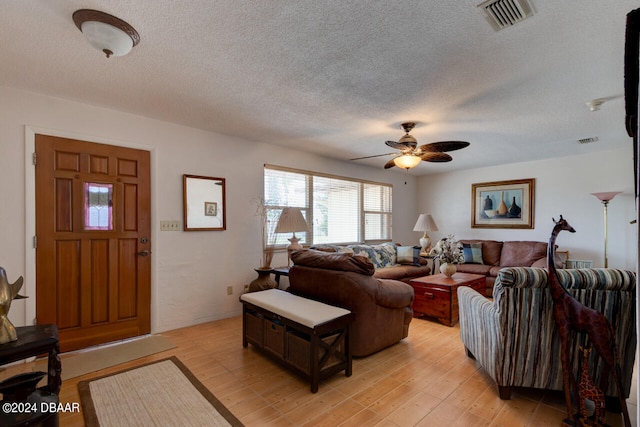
33 341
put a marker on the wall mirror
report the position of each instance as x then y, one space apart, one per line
204 203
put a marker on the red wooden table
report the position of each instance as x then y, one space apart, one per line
437 295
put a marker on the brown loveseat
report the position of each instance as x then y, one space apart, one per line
498 255
382 307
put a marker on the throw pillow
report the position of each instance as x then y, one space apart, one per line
409 255
472 253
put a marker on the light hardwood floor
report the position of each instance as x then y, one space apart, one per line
425 380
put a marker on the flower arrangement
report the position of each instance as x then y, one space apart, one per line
448 250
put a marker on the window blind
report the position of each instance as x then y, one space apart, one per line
338 210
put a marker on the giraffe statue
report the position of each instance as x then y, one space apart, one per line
587 389
569 314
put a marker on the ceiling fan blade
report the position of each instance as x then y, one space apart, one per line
389 164
376 155
436 157
401 145
441 147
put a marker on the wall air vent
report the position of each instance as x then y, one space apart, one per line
588 140
505 13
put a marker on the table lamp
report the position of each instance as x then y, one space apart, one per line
291 220
425 223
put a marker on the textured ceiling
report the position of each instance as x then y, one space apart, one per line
338 77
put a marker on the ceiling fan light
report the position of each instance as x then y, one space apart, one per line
407 138
407 161
105 32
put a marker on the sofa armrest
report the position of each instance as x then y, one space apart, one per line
394 294
479 328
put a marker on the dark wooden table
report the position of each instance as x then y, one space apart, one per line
437 295
33 341
280 271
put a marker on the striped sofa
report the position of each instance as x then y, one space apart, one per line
514 337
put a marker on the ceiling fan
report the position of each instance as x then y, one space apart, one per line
411 155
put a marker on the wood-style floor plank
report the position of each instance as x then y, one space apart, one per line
425 380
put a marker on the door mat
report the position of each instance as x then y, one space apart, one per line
85 362
160 393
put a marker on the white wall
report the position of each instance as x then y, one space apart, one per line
190 270
563 187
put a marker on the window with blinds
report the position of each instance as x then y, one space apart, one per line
337 210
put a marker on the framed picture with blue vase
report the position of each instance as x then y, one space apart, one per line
503 204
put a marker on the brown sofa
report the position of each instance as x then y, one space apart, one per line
382 307
386 260
498 255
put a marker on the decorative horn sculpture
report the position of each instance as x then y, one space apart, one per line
8 292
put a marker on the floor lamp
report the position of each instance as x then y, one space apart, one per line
605 198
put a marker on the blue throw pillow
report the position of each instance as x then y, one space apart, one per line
409 255
472 253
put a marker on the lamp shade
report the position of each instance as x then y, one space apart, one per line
425 222
606 196
291 220
407 161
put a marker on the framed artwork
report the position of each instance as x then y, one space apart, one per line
210 208
503 204
204 203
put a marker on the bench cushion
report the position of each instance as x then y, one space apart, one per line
304 311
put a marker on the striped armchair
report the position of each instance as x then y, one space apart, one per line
514 337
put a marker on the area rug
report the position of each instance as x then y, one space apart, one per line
161 393
88 361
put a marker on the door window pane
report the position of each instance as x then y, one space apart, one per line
98 206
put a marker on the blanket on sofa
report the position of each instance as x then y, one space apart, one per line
384 255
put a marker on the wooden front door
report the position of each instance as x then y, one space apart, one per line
93 267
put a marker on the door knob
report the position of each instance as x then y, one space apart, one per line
143 253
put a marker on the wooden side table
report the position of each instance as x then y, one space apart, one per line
33 341
437 295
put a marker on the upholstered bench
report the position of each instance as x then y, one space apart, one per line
308 336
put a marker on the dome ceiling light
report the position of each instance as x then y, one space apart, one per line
105 32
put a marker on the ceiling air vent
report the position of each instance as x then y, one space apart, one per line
588 140
505 13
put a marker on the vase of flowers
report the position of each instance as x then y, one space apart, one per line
449 252
268 235
264 280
